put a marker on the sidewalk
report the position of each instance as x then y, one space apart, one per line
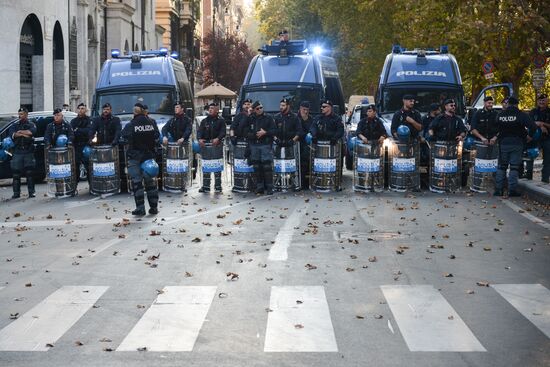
535 190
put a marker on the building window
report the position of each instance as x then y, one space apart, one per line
73 62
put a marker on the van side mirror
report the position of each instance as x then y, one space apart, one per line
189 112
336 109
226 112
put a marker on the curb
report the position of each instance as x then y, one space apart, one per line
537 191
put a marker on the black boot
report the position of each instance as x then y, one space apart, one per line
205 182
152 197
139 198
16 186
268 177
218 182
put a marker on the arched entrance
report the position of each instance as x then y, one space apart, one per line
58 67
31 64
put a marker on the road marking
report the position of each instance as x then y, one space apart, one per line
424 318
173 321
50 319
531 300
299 327
522 212
279 250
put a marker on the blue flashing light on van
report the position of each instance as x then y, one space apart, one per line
292 70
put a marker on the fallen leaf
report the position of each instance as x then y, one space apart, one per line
154 233
232 276
378 317
448 275
299 326
310 267
373 259
142 349
78 343
14 316
483 284
196 239
359 317
105 340
49 345
469 291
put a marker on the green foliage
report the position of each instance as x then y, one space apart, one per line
506 32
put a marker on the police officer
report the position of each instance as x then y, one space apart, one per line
370 129
541 116
56 128
448 126
239 122
484 123
512 131
179 128
22 133
327 126
211 130
105 128
305 150
434 111
408 116
504 103
260 132
142 136
81 127
289 128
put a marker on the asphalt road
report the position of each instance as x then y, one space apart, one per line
306 279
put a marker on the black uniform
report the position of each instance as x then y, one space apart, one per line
142 136
513 126
238 126
485 122
538 114
81 128
426 122
23 157
178 127
53 131
447 127
261 152
372 129
107 130
327 128
212 127
305 151
288 126
399 118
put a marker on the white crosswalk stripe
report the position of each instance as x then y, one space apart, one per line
531 300
173 321
299 321
50 319
427 321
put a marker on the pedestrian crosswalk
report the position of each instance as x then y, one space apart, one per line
298 318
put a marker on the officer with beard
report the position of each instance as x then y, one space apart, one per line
370 129
142 136
239 122
211 130
105 128
179 128
22 133
81 128
260 132
56 128
327 126
408 116
448 127
289 129
484 123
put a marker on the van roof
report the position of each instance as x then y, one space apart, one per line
267 69
149 71
412 67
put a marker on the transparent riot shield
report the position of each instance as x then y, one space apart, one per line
286 167
404 166
368 167
326 166
60 171
446 167
176 165
104 170
484 167
242 175
211 159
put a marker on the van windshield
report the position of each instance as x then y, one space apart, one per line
159 101
393 98
270 99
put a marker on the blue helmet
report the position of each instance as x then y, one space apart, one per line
150 168
3 155
403 132
7 143
533 153
196 147
309 138
537 135
86 152
469 142
61 141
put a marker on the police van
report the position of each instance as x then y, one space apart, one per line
294 71
152 78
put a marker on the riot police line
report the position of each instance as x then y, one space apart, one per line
265 155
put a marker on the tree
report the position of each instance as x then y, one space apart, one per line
225 60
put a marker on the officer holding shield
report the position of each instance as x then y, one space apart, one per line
22 133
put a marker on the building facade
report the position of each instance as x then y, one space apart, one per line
53 50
